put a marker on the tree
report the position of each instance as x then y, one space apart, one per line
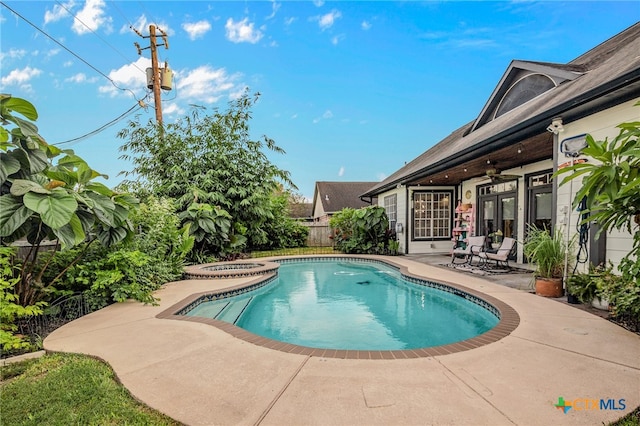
212 168
50 194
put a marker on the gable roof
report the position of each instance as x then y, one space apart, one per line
336 196
301 210
606 75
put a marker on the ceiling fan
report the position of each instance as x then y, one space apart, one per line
496 176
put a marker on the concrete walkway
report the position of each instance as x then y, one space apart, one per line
200 375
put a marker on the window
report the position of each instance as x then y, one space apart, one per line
391 208
432 215
523 91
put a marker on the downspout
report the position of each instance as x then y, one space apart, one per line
556 128
406 216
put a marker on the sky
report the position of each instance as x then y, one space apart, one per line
351 90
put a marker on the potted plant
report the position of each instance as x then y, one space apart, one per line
549 252
583 285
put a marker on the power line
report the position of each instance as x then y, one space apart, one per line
138 105
97 35
69 50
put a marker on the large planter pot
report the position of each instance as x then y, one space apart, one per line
549 287
602 304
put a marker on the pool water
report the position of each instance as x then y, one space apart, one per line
352 306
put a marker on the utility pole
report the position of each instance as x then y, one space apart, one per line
157 77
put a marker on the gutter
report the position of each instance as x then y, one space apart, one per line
534 125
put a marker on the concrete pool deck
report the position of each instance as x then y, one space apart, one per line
200 375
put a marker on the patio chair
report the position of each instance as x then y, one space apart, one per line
501 256
473 248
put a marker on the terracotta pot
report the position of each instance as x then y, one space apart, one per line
549 287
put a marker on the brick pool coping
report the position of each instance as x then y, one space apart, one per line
232 269
509 321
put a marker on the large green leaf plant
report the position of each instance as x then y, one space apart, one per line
611 189
50 194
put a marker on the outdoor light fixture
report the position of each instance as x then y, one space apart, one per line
571 147
556 126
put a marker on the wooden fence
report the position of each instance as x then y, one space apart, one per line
319 235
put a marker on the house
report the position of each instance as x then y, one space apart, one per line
331 197
494 173
300 211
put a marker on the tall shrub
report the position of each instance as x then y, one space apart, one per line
210 160
364 230
10 309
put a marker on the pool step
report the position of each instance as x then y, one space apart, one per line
211 309
233 310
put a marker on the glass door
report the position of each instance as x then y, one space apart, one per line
507 215
488 216
498 212
540 208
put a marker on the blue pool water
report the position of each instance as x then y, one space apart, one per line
350 305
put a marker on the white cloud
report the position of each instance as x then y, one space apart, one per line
206 84
91 17
341 171
325 116
128 76
20 77
381 176
318 3
58 12
337 39
290 20
51 53
326 21
67 64
197 29
242 31
294 116
365 25
13 54
274 9
172 109
80 78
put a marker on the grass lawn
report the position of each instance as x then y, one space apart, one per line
65 389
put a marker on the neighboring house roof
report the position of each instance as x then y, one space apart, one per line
335 196
606 75
301 210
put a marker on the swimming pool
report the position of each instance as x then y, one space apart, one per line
351 304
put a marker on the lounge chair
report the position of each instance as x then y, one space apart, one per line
474 246
501 256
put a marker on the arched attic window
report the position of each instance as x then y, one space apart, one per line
523 91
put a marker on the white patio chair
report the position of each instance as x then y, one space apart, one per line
501 257
474 246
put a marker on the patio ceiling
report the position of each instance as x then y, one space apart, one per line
533 149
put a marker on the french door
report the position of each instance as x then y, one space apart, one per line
498 210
